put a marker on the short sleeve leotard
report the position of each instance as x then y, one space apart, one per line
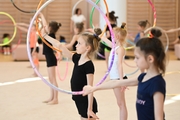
78 81
145 92
49 53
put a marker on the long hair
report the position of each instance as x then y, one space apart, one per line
92 40
153 45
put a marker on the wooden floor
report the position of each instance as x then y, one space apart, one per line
21 95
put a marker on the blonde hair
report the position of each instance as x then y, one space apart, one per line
121 31
92 40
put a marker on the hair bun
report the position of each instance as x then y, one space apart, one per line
112 12
156 32
59 24
123 25
97 32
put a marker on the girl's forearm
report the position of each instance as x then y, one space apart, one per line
107 85
44 22
58 45
115 84
22 24
90 101
107 42
53 41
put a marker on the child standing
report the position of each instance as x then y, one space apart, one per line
117 67
113 21
150 55
83 72
6 48
51 60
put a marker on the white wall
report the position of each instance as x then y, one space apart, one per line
119 6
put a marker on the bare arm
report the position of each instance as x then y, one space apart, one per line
176 41
108 34
22 26
129 36
44 22
35 43
58 45
107 41
172 30
110 85
90 78
158 105
74 39
141 35
120 53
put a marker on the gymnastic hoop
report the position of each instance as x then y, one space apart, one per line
91 19
92 11
15 29
20 36
39 33
167 38
75 5
37 27
58 72
131 47
91 15
167 73
31 61
129 74
154 10
21 9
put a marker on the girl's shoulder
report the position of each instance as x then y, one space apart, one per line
120 51
120 48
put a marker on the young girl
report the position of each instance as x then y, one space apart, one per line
51 59
83 72
141 27
6 48
78 29
149 55
117 67
113 20
33 43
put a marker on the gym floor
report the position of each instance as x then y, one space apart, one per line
22 94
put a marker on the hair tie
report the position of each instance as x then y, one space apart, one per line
150 35
95 35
